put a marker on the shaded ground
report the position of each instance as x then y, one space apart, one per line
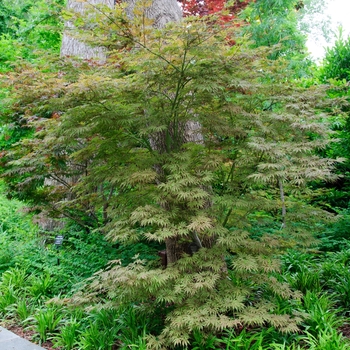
28 334
345 330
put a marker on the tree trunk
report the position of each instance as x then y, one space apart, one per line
161 11
73 47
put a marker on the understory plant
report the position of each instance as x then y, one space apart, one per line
46 321
67 336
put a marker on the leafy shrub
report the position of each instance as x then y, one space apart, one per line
22 310
41 286
246 340
336 64
337 234
15 278
202 341
295 261
335 274
305 280
10 51
133 325
94 337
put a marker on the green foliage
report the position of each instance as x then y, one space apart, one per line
16 232
10 51
335 236
305 280
8 297
320 317
201 342
185 141
68 335
326 341
334 71
31 22
181 142
41 285
29 30
46 321
256 338
82 254
101 332
133 324
275 24
322 324
93 338
245 340
323 301
324 272
22 310
14 277
301 272
336 64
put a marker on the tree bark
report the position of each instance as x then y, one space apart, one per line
160 11
73 47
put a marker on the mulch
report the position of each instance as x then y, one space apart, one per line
29 335
345 330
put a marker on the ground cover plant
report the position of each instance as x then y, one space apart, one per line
31 277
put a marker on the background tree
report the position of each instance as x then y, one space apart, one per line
275 24
337 61
29 31
202 8
70 45
335 71
26 27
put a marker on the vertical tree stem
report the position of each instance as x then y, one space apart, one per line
284 211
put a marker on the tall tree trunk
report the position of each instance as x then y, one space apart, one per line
160 11
74 47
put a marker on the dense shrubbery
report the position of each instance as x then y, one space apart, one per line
34 291
33 271
335 72
26 27
23 244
